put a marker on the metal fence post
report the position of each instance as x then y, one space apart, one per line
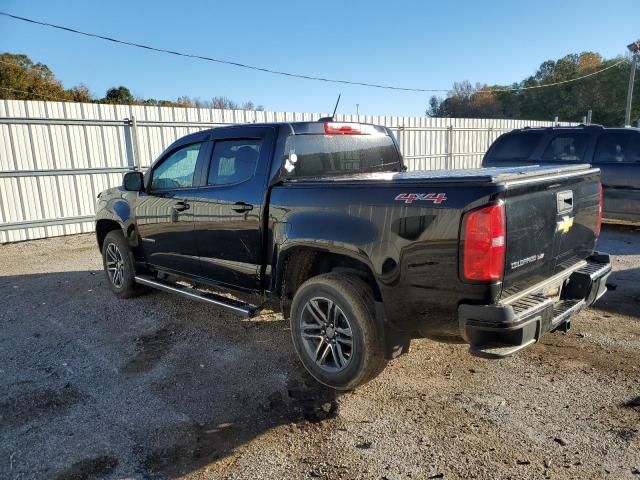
134 138
128 143
131 142
449 145
400 139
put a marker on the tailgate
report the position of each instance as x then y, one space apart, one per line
551 226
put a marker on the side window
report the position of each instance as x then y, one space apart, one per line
618 147
233 161
177 170
568 147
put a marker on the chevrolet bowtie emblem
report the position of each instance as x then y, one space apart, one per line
565 224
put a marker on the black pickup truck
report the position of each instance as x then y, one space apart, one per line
362 255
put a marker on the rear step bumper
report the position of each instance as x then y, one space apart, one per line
496 331
229 304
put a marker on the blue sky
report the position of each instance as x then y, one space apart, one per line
422 44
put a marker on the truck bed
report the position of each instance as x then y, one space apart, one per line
416 242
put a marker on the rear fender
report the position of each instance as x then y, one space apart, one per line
285 249
396 342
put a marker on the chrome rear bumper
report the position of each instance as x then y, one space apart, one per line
500 330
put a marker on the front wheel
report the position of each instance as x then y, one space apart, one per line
119 265
335 332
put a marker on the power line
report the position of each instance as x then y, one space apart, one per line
33 93
216 60
16 65
289 74
491 90
11 64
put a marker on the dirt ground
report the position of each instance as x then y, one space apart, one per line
156 387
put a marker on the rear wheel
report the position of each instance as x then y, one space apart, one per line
335 332
119 265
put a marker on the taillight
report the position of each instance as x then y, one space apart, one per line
335 128
484 244
599 221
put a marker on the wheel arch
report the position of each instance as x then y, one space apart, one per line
299 262
103 227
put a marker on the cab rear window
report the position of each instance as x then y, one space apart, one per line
515 146
331 155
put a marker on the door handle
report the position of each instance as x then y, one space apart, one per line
242 207
181 206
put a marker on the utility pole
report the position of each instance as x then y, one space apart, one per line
634 48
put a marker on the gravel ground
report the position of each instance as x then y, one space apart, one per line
156 387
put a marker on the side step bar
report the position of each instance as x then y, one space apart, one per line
498 350
228 304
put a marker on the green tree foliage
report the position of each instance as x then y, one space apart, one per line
22 79
465 100
81 93
604 94
119 96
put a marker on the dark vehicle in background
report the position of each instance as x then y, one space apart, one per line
361 255
615 151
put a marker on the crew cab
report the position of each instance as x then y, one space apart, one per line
616 151
362 255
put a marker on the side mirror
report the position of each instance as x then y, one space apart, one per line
132 182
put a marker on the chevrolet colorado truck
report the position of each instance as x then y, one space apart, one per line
362 255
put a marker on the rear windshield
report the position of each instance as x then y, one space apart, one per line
515 146
330 155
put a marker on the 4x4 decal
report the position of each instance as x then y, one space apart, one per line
436 198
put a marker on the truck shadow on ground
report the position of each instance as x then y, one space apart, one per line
194 445
619 239
623 295
181 385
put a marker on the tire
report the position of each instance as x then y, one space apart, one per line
119 265
324 311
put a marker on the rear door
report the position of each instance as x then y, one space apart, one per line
228 208
551 225
617 154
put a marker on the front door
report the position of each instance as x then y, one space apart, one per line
164 213
228 209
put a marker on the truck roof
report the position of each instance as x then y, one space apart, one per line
301 128
582 127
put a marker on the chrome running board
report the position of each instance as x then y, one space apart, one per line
229 304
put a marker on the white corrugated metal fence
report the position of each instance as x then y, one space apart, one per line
56 157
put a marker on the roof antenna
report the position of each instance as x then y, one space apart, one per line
332 118
335 109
